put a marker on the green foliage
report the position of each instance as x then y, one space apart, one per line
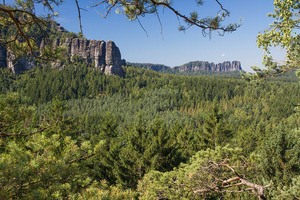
74 133
15 116
289 192
215 132
22 32
6 80
105 192
282 33
189 180
135 9
77 133
283 145
155 67
48 161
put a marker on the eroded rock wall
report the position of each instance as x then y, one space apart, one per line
103 55
195 66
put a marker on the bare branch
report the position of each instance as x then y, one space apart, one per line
134 9
161 26
108 8
79 16
227 186
221 6
203 24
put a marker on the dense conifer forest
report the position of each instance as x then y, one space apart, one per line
70 131
75 133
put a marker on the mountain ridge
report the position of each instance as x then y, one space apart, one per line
193 67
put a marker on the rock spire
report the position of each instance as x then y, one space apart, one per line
103 55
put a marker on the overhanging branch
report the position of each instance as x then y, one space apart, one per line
229 185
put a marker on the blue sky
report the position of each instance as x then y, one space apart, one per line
169 46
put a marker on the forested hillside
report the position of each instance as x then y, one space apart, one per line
75 133
192 68
68 130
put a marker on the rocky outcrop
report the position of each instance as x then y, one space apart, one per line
17 65
103 55
195 66
113 59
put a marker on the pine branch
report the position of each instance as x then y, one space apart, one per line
223 186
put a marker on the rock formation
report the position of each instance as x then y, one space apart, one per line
113 59
195 66
192 67
103 55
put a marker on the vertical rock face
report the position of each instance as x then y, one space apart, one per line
79 47
17 65
113 59
100 52
10 60
103 55
236 66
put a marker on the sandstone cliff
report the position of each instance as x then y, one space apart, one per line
103 55
195 66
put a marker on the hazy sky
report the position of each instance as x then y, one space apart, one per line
169 46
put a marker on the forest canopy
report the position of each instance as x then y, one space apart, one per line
76 133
